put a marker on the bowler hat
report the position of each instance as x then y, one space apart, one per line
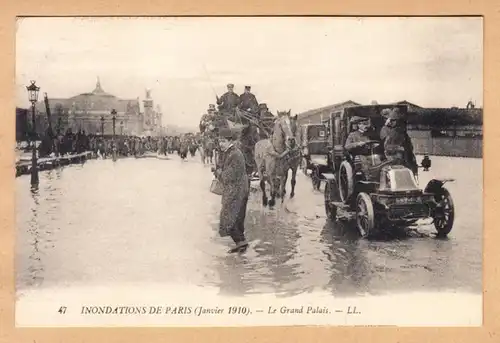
226 133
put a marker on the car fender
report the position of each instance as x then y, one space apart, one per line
435 184
329 177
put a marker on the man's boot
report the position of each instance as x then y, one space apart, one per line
240 247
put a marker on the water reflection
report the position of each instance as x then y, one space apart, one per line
36 267
269 264
149 220
348 267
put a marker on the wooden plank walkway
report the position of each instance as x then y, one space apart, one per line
23 166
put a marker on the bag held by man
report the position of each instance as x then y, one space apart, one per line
216 187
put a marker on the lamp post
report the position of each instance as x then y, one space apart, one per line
33 98
102 126
113 112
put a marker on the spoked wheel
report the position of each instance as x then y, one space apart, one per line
444 215
331 194
346 183
365 216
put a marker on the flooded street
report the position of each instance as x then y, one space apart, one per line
155 221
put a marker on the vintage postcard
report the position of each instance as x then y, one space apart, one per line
249 171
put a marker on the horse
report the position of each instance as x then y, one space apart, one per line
276 155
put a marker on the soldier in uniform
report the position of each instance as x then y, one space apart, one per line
204 122
361 135
211 111
229 100
357 139
248 101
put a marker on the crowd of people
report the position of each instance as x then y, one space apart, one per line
69 143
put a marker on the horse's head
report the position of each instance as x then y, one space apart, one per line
285 130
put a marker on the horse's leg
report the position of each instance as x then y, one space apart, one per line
272 181
293 182
263 188
283 184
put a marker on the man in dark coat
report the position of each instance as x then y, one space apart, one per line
355 145
235 190
248 101
229 100
363 134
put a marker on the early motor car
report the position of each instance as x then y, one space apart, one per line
386 193
314 149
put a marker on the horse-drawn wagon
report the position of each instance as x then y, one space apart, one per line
269 144
249 127
385 193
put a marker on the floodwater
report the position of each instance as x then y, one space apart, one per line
155 221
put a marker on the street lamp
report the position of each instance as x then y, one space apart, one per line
102 125
33 98
113 112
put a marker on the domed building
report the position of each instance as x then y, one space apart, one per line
92 112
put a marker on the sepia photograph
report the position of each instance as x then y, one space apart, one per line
249 171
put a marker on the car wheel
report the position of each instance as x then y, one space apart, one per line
330 195
315 179
444 215
346 183
365 215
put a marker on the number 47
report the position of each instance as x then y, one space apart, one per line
62 310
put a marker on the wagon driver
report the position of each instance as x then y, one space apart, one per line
248 101
229 100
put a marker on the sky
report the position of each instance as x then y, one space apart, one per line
296 63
